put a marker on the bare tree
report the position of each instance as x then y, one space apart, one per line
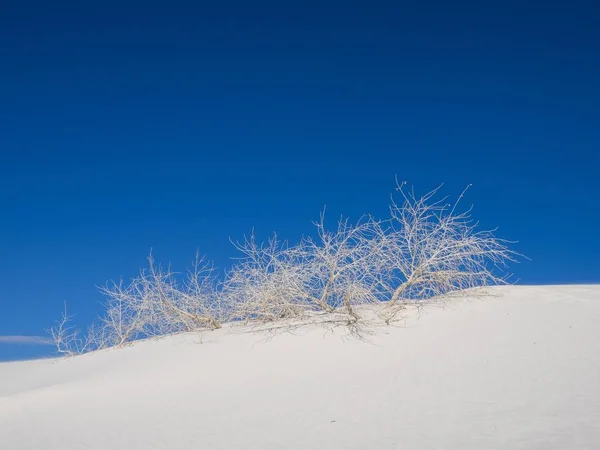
70 341
346 264
432 249
268 282
128 311
65 337
334 271
156 303
425 249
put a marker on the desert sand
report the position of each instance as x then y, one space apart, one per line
517 370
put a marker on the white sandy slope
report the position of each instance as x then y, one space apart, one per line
517 371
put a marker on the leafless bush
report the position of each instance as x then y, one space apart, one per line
153 303
425 249
268 282
66 338
338 269
70 340
156 303
433 250
346 264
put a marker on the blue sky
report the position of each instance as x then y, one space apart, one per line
126 127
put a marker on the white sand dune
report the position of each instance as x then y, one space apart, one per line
517 371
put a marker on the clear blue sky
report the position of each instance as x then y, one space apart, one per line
125 127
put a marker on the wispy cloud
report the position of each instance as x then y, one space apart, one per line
26 340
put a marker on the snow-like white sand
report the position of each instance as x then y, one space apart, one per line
516 371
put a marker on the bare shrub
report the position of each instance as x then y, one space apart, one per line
346 264
338 269
70 341
426 248
156 303
433 250
65 337
268 282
